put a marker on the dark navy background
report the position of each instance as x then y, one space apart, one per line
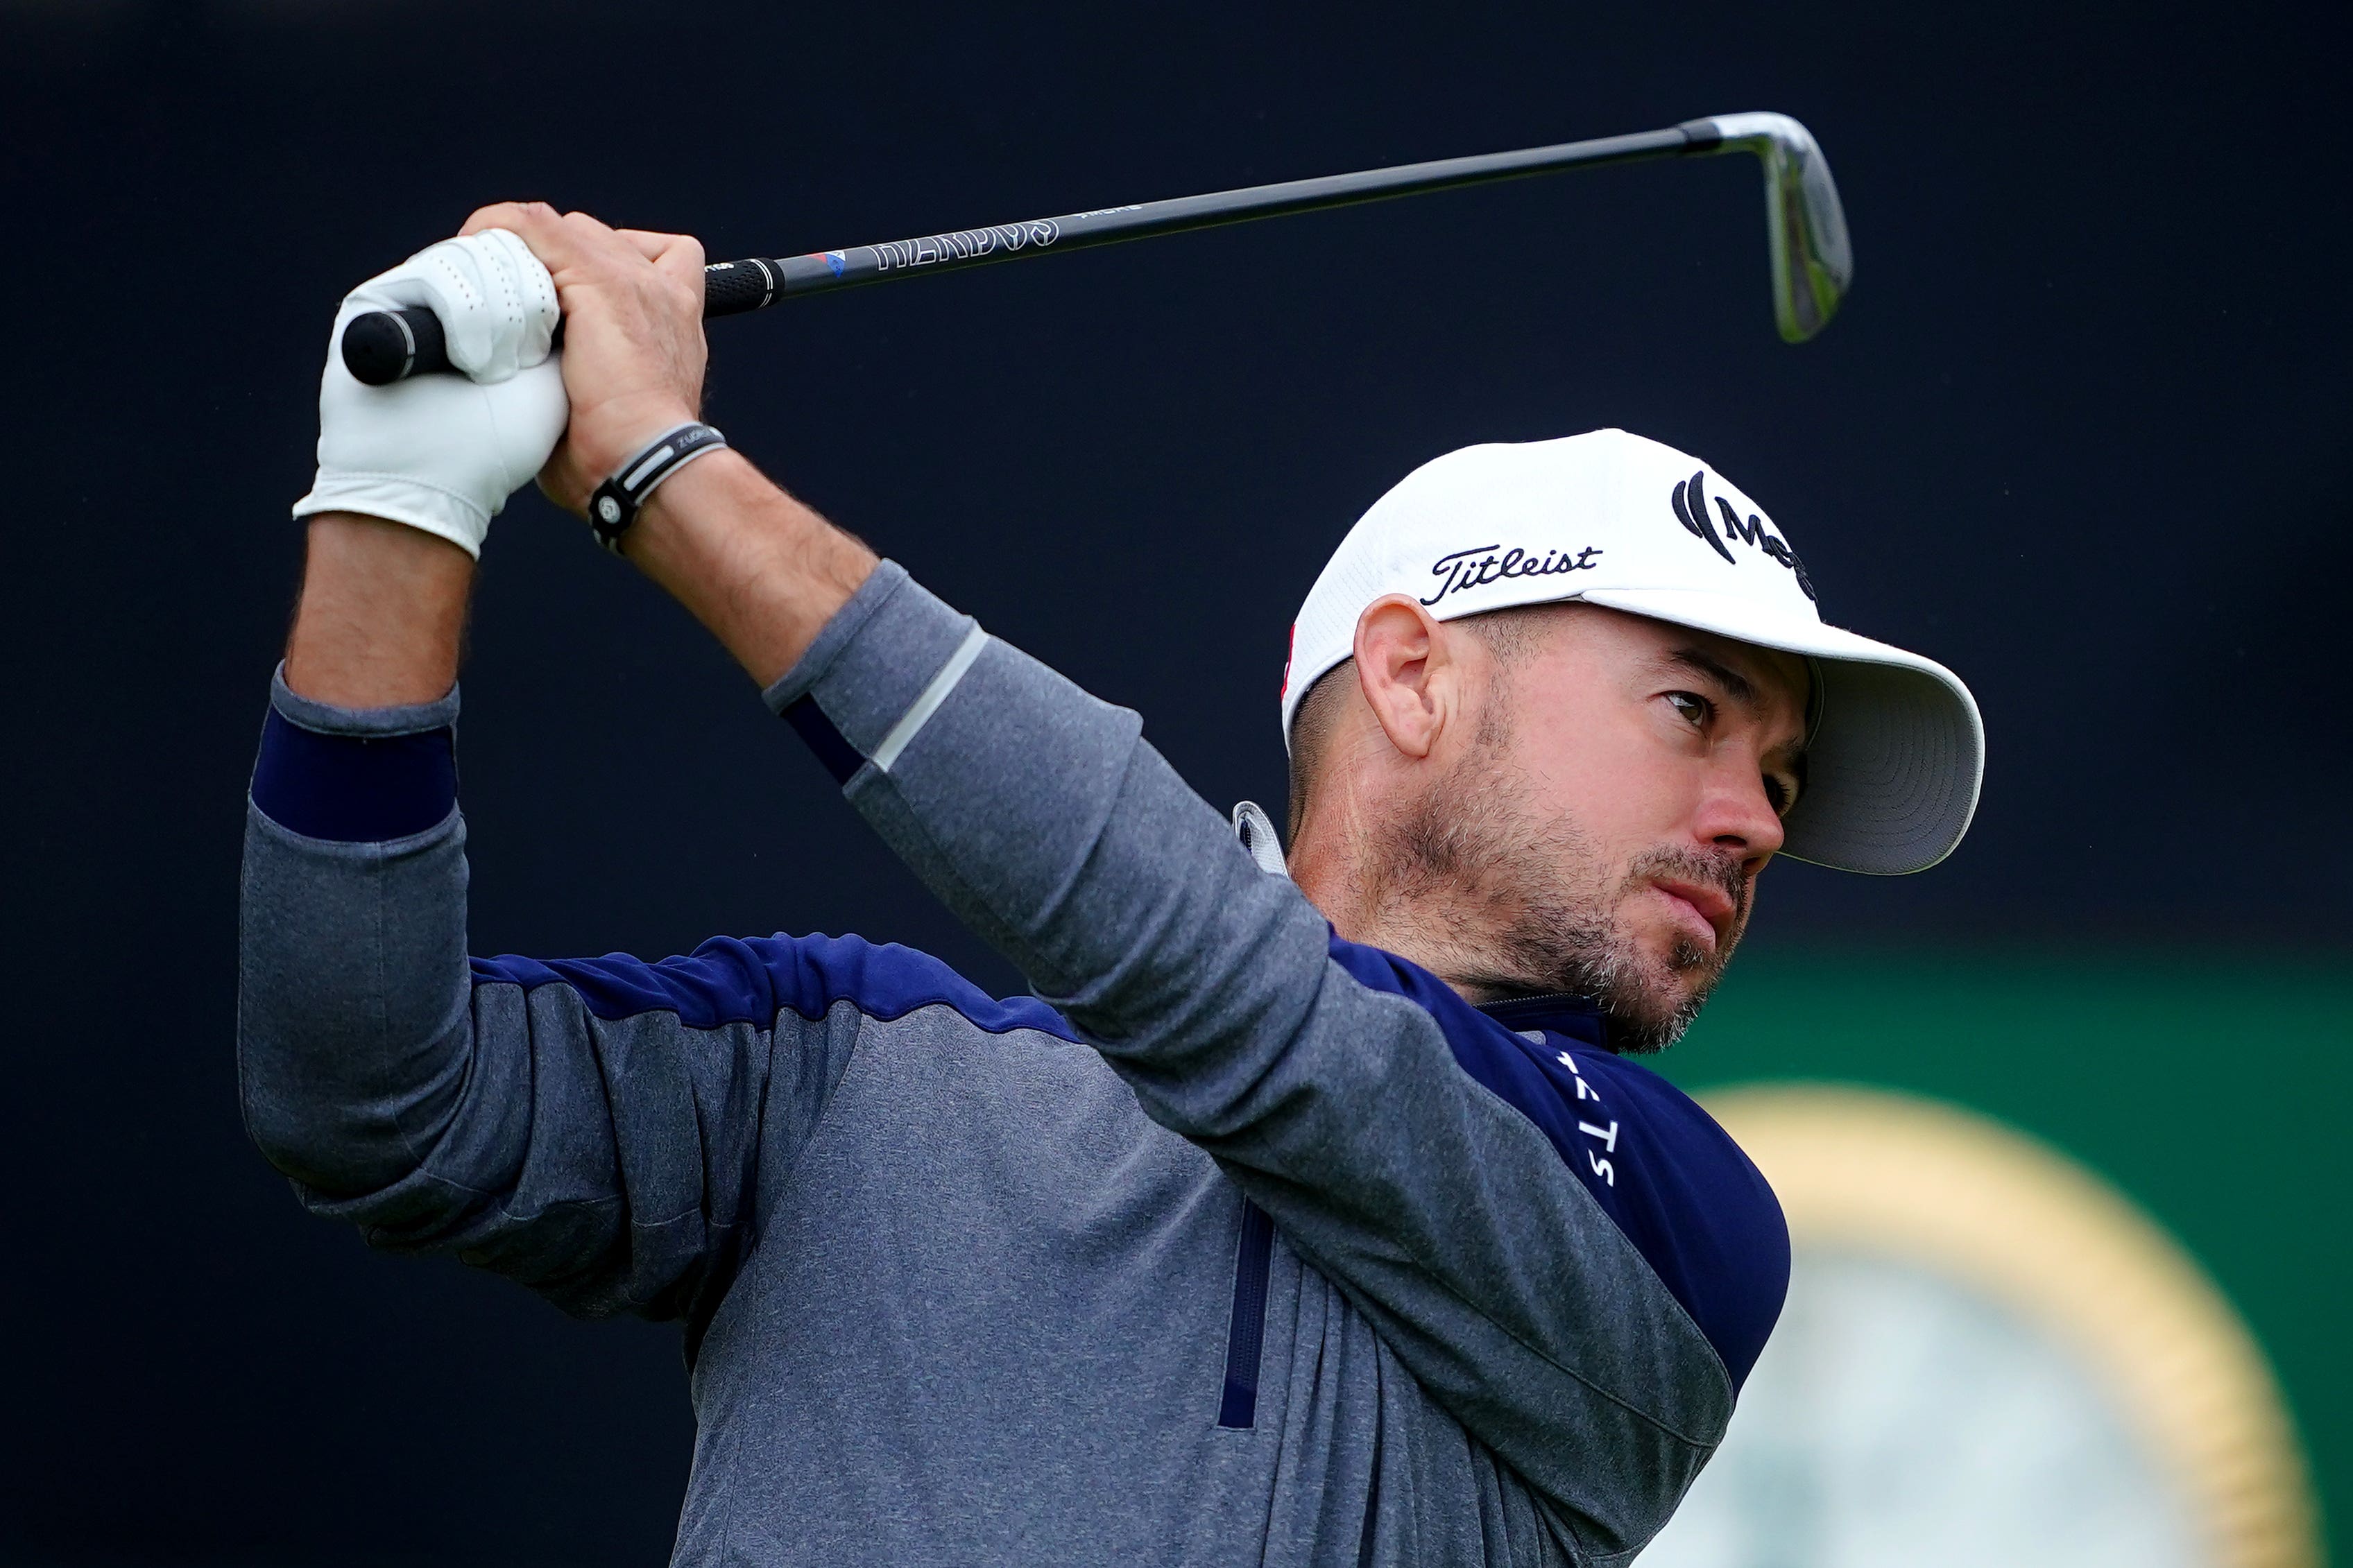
2079 433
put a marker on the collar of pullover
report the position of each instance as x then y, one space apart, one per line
1578 1017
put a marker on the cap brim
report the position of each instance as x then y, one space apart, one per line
1894 765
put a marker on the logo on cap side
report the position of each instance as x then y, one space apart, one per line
1480 565
1692 512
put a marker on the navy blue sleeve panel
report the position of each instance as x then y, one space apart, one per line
841 759
354 789
355 775
1701 1214
734 980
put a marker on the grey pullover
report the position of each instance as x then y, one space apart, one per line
1236 1244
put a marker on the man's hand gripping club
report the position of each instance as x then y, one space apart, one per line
383 608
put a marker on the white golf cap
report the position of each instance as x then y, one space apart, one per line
1611 519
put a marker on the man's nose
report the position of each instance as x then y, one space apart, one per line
1735 815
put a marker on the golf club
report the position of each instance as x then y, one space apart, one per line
1812 261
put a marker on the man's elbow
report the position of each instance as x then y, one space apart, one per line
328 1131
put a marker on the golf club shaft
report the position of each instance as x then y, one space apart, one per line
386 346
736 286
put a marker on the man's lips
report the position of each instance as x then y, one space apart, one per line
1712 906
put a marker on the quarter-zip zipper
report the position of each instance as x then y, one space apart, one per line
1246 1336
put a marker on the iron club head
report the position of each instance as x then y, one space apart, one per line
1813 262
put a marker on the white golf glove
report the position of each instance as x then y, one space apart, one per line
442 453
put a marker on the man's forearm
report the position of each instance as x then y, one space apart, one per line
382 616
762 571
383 613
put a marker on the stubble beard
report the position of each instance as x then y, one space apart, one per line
1528 907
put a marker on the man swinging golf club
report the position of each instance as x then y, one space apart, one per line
1307 1219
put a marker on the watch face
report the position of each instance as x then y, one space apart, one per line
1989 1356
1898 1417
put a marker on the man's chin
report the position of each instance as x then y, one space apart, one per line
1645 1029
1654 1002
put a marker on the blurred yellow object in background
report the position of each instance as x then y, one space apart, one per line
1990 1355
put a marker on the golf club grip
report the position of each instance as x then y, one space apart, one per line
384 347
381 347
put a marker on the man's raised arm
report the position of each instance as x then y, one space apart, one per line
588 1128
1340 1103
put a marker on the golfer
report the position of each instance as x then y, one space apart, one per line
1315 1218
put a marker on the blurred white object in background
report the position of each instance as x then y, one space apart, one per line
1988 1355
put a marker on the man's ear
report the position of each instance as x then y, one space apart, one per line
1409 676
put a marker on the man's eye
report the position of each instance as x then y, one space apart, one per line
1779 795
1693 707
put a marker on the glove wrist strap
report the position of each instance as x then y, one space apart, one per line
615 503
